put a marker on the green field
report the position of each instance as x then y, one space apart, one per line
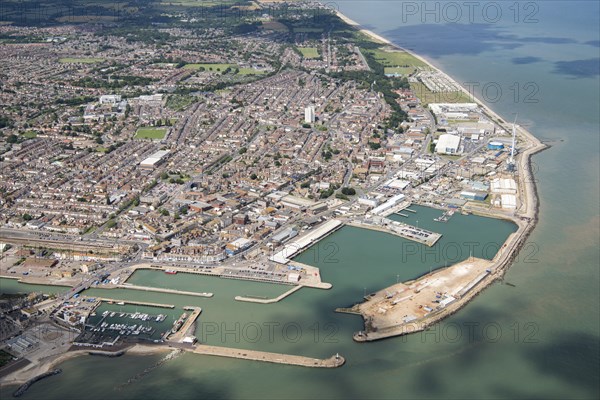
179 102
30 134
211 67
396 58
397 62
275 26
309 52
223 67
250 71
150 133
71 60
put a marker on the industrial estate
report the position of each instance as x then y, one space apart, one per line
226 148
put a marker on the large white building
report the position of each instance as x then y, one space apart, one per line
392 202
154 159
110 99
503 186
447 144
309 115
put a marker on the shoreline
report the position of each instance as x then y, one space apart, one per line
35 370
526 216
385 41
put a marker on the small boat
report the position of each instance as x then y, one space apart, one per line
170 272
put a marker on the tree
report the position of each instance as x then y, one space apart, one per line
12 139
348 191
253 177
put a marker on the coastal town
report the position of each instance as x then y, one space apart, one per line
226 150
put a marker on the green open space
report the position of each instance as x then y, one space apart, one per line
250 71
309 52
150 133
210 67
274 26
397 62
396 58
179 102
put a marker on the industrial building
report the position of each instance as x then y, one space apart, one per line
387 205
504 185
509 201
477 196
154 160
448 144
284 235
296 203
291 249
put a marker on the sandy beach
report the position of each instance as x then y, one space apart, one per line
21 376
383 40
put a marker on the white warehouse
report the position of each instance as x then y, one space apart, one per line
447 144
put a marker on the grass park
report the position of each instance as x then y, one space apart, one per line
222 67
210 67
397 62
250 71
150 133
309 52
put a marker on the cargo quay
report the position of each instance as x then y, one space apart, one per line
405 231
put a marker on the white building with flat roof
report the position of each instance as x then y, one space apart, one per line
509 201
154 160
503 185
110 99
309 115
447 144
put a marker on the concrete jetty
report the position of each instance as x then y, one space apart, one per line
134 302
269 301
163 290
183 331
277 358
